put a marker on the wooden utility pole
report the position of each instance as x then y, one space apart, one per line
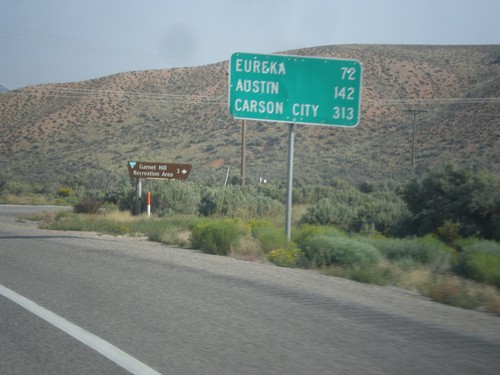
414 112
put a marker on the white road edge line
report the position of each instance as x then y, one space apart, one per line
108 350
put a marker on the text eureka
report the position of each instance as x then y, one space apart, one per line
265 87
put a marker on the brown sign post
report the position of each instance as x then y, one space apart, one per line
153 170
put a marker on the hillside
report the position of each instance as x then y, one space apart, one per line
60 131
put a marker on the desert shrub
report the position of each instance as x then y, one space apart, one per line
306 231
267 235
257 225
474 244
452 291
326 250
173 197
480 261
354 211
65 192
449 231
207 205
65 220
90 223
483 267
455 195
260 206
425 250
324 212
126 200
217 237
88 205
235 201
284 257
368 273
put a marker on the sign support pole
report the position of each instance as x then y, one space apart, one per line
291 141
242 178
138 196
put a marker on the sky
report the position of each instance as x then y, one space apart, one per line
51 41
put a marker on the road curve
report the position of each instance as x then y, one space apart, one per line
179 311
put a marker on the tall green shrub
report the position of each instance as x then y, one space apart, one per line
480 261
458 195
268 236
217 237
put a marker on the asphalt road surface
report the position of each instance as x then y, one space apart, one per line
80 303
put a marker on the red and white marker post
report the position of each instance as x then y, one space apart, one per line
148 201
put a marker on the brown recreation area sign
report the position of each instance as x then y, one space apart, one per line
150 170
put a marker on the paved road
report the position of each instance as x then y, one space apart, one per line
179 311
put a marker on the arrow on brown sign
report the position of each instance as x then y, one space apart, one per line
153 170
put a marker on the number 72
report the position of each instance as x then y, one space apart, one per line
348 73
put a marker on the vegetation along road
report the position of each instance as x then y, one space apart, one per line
82 303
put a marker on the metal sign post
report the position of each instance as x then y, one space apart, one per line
138 196
291 142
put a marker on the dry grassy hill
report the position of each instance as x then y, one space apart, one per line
59 131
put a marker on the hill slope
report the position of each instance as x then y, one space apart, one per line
59 131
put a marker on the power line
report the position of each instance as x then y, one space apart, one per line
152 96
19 34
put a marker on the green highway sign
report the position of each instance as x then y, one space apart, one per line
295 89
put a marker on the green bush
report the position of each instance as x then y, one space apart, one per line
88 205
306 231
207 205
217 237
269 237
172 197
355 211
452 291
284 257
483 267
324 212
455 195
425 250
65 192
326 250
172 230
368 273
480 261
235 201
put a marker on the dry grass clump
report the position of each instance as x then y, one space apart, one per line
456 291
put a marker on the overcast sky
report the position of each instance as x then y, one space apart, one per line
47 41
